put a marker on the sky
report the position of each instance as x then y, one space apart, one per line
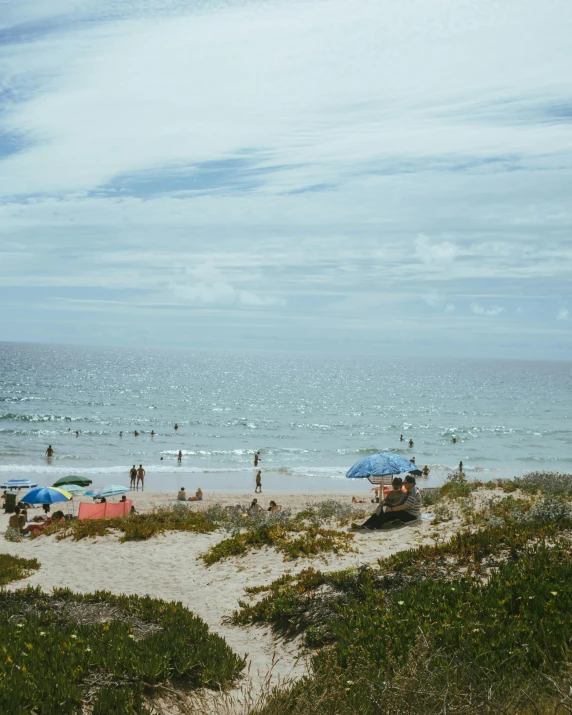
386 177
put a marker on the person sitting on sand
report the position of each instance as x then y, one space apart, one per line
358 500
425 471
17 521
35 528
182 495
198 495
395 496
255 506
274 507
409 509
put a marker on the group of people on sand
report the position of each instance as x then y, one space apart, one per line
401 504
255 506
19 521
137 476
182 495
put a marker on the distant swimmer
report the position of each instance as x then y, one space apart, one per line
461 467
140 477
152 433
176 426
258 482
412 460
425 471
411 443
132 477
401 438
49 451
161 458
136 433
180 457
256 458
454 440
121 433
76 433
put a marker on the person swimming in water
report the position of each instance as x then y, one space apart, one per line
180 457
49 451
411 443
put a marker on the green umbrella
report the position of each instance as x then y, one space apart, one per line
80 481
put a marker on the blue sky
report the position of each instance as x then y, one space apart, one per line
368 177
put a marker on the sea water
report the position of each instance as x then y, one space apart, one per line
311 417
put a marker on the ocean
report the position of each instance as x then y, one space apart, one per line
311 417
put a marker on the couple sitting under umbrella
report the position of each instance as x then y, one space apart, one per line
397 505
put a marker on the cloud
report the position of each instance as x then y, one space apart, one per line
434 253
563 314
220 158
478 309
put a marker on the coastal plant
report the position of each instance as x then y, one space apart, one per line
441 513
63 651
430 497
546 483
136 527
457 485
480 641
310 541
14 568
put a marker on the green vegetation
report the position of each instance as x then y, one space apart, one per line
310 541
136 527
62 651
477 624
457 485
13 568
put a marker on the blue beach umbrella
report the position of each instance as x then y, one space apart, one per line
46 495
92 493
74 489
381 465
112 490
18 484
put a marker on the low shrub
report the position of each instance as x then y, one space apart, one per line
14 568
311 541
477 644
457 485
64 650
548 483
135 527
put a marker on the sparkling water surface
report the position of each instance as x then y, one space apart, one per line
311 417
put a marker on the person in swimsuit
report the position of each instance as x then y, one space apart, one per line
258 483
256 458
140 477
49 451
180 457
132 477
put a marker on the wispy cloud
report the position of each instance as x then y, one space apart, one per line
478 309
224 158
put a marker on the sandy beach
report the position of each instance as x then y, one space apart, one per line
167 567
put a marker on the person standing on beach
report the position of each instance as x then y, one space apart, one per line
132 477
49 452
140 477
461 467
258 482
180 457
256 458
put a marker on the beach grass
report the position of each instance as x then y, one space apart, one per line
479 623
64 651
14 568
